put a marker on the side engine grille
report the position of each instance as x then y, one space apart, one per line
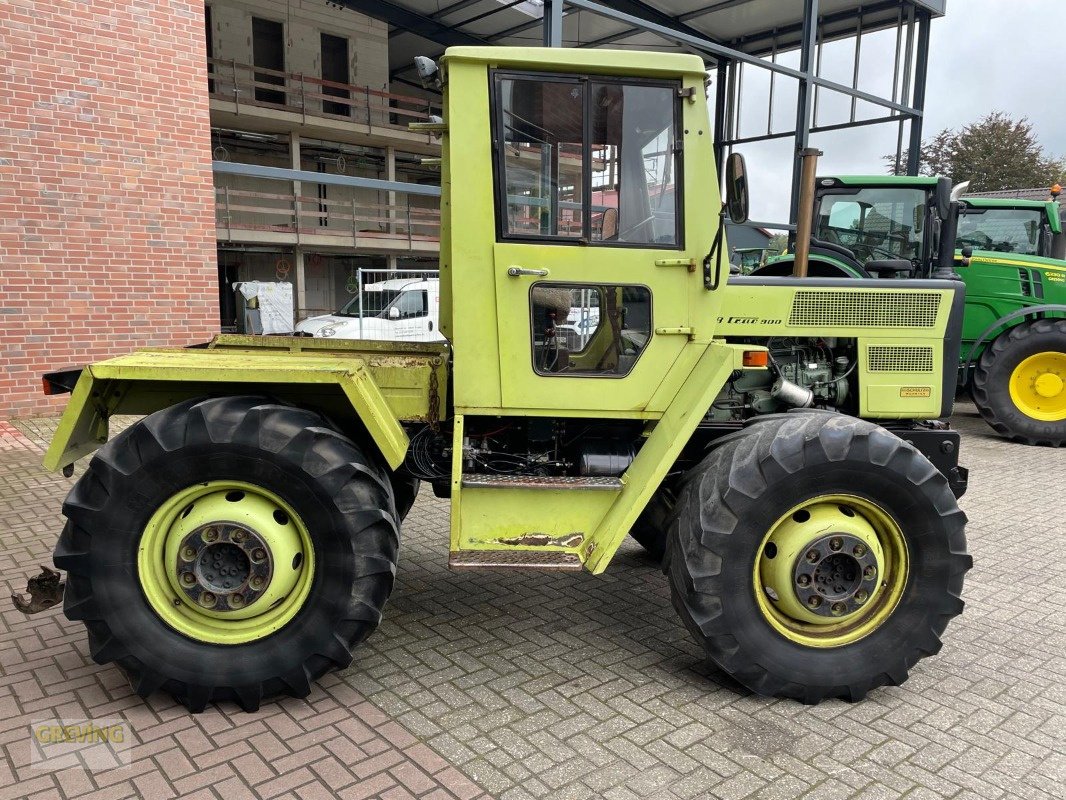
892 358
858 309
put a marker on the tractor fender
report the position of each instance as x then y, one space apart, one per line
147 381
986 334
817 268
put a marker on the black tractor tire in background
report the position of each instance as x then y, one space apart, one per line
651 526
405 489
343 497
734 497
990 383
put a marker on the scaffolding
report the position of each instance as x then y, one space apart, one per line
733 36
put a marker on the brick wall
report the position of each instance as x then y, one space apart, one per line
107 238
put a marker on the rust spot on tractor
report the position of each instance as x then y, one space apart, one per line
535 539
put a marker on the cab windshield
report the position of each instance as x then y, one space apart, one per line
1004 230
874 223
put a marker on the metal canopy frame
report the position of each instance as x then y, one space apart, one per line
470 22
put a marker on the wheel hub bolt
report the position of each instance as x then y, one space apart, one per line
859 550
238 536
804 580
838 608
259 554
814 601
256 582
207 599
210 535
188 578
188 553
812 556
835 544
869 573
236 600
862 596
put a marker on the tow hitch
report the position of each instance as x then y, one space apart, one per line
46 590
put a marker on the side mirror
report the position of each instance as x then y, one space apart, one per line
736 188
967 254
394 313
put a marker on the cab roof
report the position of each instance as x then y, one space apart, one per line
923 181
572 59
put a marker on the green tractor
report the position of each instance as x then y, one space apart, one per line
1010 253
241 539
747 259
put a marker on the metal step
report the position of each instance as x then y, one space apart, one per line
514 559
477 481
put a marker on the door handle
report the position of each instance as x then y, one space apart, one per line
515 272
688 263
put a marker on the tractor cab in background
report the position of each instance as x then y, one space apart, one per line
878 227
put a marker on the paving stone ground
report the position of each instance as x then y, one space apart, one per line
573 686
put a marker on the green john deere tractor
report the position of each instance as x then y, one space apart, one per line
1010 253
241 539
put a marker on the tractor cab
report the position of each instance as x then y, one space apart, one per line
1011 225
876 227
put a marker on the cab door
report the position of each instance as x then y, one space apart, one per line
599 286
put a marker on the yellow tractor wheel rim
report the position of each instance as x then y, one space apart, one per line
830 571
1038 387
225 562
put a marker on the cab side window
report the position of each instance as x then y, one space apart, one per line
590 161
590 330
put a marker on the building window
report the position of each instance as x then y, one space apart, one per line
335 70
268 52
210 34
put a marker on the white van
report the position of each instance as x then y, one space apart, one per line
399 309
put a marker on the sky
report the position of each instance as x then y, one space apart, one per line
985 55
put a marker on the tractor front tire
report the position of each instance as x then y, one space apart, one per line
815 556
228 549
1019 383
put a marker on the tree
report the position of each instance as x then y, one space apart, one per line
996 152
778 242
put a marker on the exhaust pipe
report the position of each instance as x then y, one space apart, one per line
805 214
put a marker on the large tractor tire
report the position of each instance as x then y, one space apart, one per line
816 555
228 550
1019 383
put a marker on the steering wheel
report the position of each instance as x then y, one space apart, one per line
980 244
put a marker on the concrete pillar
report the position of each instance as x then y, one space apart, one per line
390 175
299 290
299 276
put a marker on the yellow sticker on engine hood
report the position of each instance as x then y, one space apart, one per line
915 391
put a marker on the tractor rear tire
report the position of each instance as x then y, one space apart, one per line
796 487
1019 383
279 500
